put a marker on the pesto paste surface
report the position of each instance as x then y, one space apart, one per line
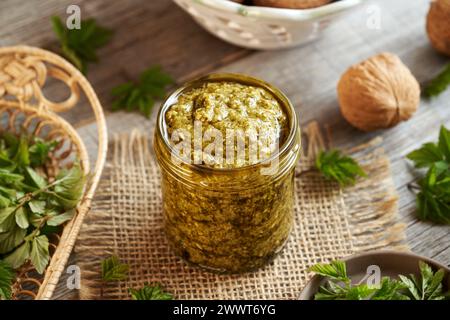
226 106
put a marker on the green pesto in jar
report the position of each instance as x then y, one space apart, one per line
228 217
225 106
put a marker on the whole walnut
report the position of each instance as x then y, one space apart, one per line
378 93
438 25
291 4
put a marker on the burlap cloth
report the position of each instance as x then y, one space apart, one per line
330 223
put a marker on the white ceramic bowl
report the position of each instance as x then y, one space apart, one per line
263 27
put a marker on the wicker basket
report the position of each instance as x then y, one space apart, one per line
24 72
265 28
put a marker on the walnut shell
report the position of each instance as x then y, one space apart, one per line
378 93
291 4
438 25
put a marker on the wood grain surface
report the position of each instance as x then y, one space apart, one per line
158 32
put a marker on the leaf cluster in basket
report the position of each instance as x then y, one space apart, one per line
433 197
438 84
113 270
339 286
32 206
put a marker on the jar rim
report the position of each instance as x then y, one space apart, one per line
229 77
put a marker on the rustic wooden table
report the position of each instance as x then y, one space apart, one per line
158 32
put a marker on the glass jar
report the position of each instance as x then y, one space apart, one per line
228 220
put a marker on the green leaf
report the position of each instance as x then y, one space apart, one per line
336 166
339 286
141 95
39 254
7 219
426 156
429 287
11 239
150 292
8 192
19 256
433 200
37 180
40 150
113 269
4 202
7 177
444 142
22 218
61 218
390 290
122 89
71 55
37 206
59 28
7 276
438 84
22 157
69 187
360 292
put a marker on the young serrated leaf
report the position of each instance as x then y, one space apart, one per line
411 286
22 157
444 142
438 84
22 218
11 239
425 156
36 179
335 270
113 269
7 219
39 254
19 256
58 28
8 192
4 202
37 206
59 219
7 177
80 45
389 290
123 88
71 55
360 292
141 95
39 151
69 187
435 287
150 292
336 166
433 202
7 276
428 287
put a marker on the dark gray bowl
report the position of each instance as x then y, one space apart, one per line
391 263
